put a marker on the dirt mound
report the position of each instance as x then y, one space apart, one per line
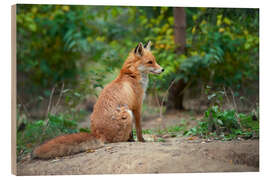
175 155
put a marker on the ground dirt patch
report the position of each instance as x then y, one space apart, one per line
175 155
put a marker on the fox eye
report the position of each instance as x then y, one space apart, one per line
150 62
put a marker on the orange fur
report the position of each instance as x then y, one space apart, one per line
118 103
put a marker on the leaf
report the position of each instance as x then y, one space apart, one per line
219 122
211 96
193 30
77 94
32 27
221 30
65 90
71 45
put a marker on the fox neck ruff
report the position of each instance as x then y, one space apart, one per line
144 83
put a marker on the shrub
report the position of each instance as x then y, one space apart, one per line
226 125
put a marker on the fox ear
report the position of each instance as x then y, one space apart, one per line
139 49
148 46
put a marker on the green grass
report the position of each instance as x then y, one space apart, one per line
172 130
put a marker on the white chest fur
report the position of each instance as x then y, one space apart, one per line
144 83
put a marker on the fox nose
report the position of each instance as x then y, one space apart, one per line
162 70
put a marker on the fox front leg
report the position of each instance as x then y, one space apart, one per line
137 114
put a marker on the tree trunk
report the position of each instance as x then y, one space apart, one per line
176 95
180 29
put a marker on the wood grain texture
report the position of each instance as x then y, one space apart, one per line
13 90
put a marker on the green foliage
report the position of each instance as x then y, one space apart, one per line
59 44
222 47
45 46
221 120
147 131
201 130
160 140
225 125
174 129
39 131
73 44
250 123
85 130
161 33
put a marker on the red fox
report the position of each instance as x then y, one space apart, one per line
119 103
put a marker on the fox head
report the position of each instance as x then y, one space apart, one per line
142 60
147 62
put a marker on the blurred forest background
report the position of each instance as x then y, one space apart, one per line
66 54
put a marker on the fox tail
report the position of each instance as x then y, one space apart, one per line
67 145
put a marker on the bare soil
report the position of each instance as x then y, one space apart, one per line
175 155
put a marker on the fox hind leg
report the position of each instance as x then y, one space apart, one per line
123 120
131 137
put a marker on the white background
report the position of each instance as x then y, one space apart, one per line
5 82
